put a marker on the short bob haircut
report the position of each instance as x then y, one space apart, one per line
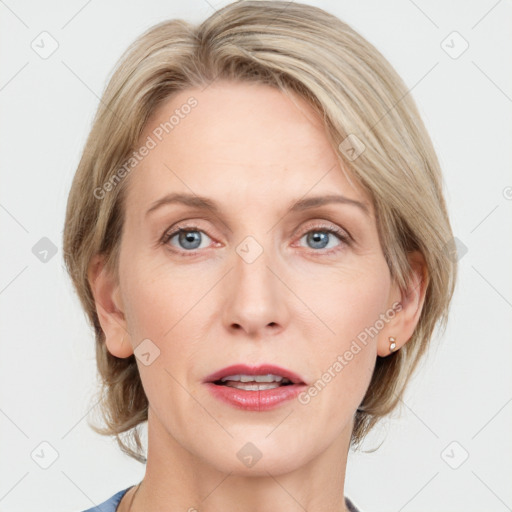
296 48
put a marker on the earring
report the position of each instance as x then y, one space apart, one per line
392 344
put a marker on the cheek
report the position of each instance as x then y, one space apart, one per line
157 299
351 305
170 309
348 300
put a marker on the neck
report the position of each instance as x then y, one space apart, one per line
177 479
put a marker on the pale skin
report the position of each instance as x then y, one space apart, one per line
255 152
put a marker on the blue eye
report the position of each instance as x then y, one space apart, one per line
189 239
320 239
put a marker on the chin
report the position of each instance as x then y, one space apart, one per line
255 453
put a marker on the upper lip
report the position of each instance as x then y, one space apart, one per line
264 369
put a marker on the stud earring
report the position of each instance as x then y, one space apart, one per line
392 344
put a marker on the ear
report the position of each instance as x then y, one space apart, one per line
109 308
402 325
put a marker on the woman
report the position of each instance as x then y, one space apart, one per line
258 234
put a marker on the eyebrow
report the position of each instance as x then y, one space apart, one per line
204 203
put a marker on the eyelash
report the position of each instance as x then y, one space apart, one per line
340 234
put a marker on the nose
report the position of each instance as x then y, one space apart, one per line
256 297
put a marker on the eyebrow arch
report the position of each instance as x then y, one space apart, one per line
205 203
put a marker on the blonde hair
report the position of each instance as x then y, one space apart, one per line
297 48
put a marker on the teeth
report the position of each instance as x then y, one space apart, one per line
252 387
255 378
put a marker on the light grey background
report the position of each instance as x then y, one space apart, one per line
459 402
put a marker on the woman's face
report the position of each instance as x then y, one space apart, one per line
262 278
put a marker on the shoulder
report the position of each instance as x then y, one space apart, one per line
111 504
350 506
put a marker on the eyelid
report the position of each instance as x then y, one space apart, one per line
341 234
182 226
319 225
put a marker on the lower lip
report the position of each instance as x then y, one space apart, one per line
263 400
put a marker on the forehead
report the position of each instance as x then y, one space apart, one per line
239 142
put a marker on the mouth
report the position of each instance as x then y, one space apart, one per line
242 376
255 388
253 382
